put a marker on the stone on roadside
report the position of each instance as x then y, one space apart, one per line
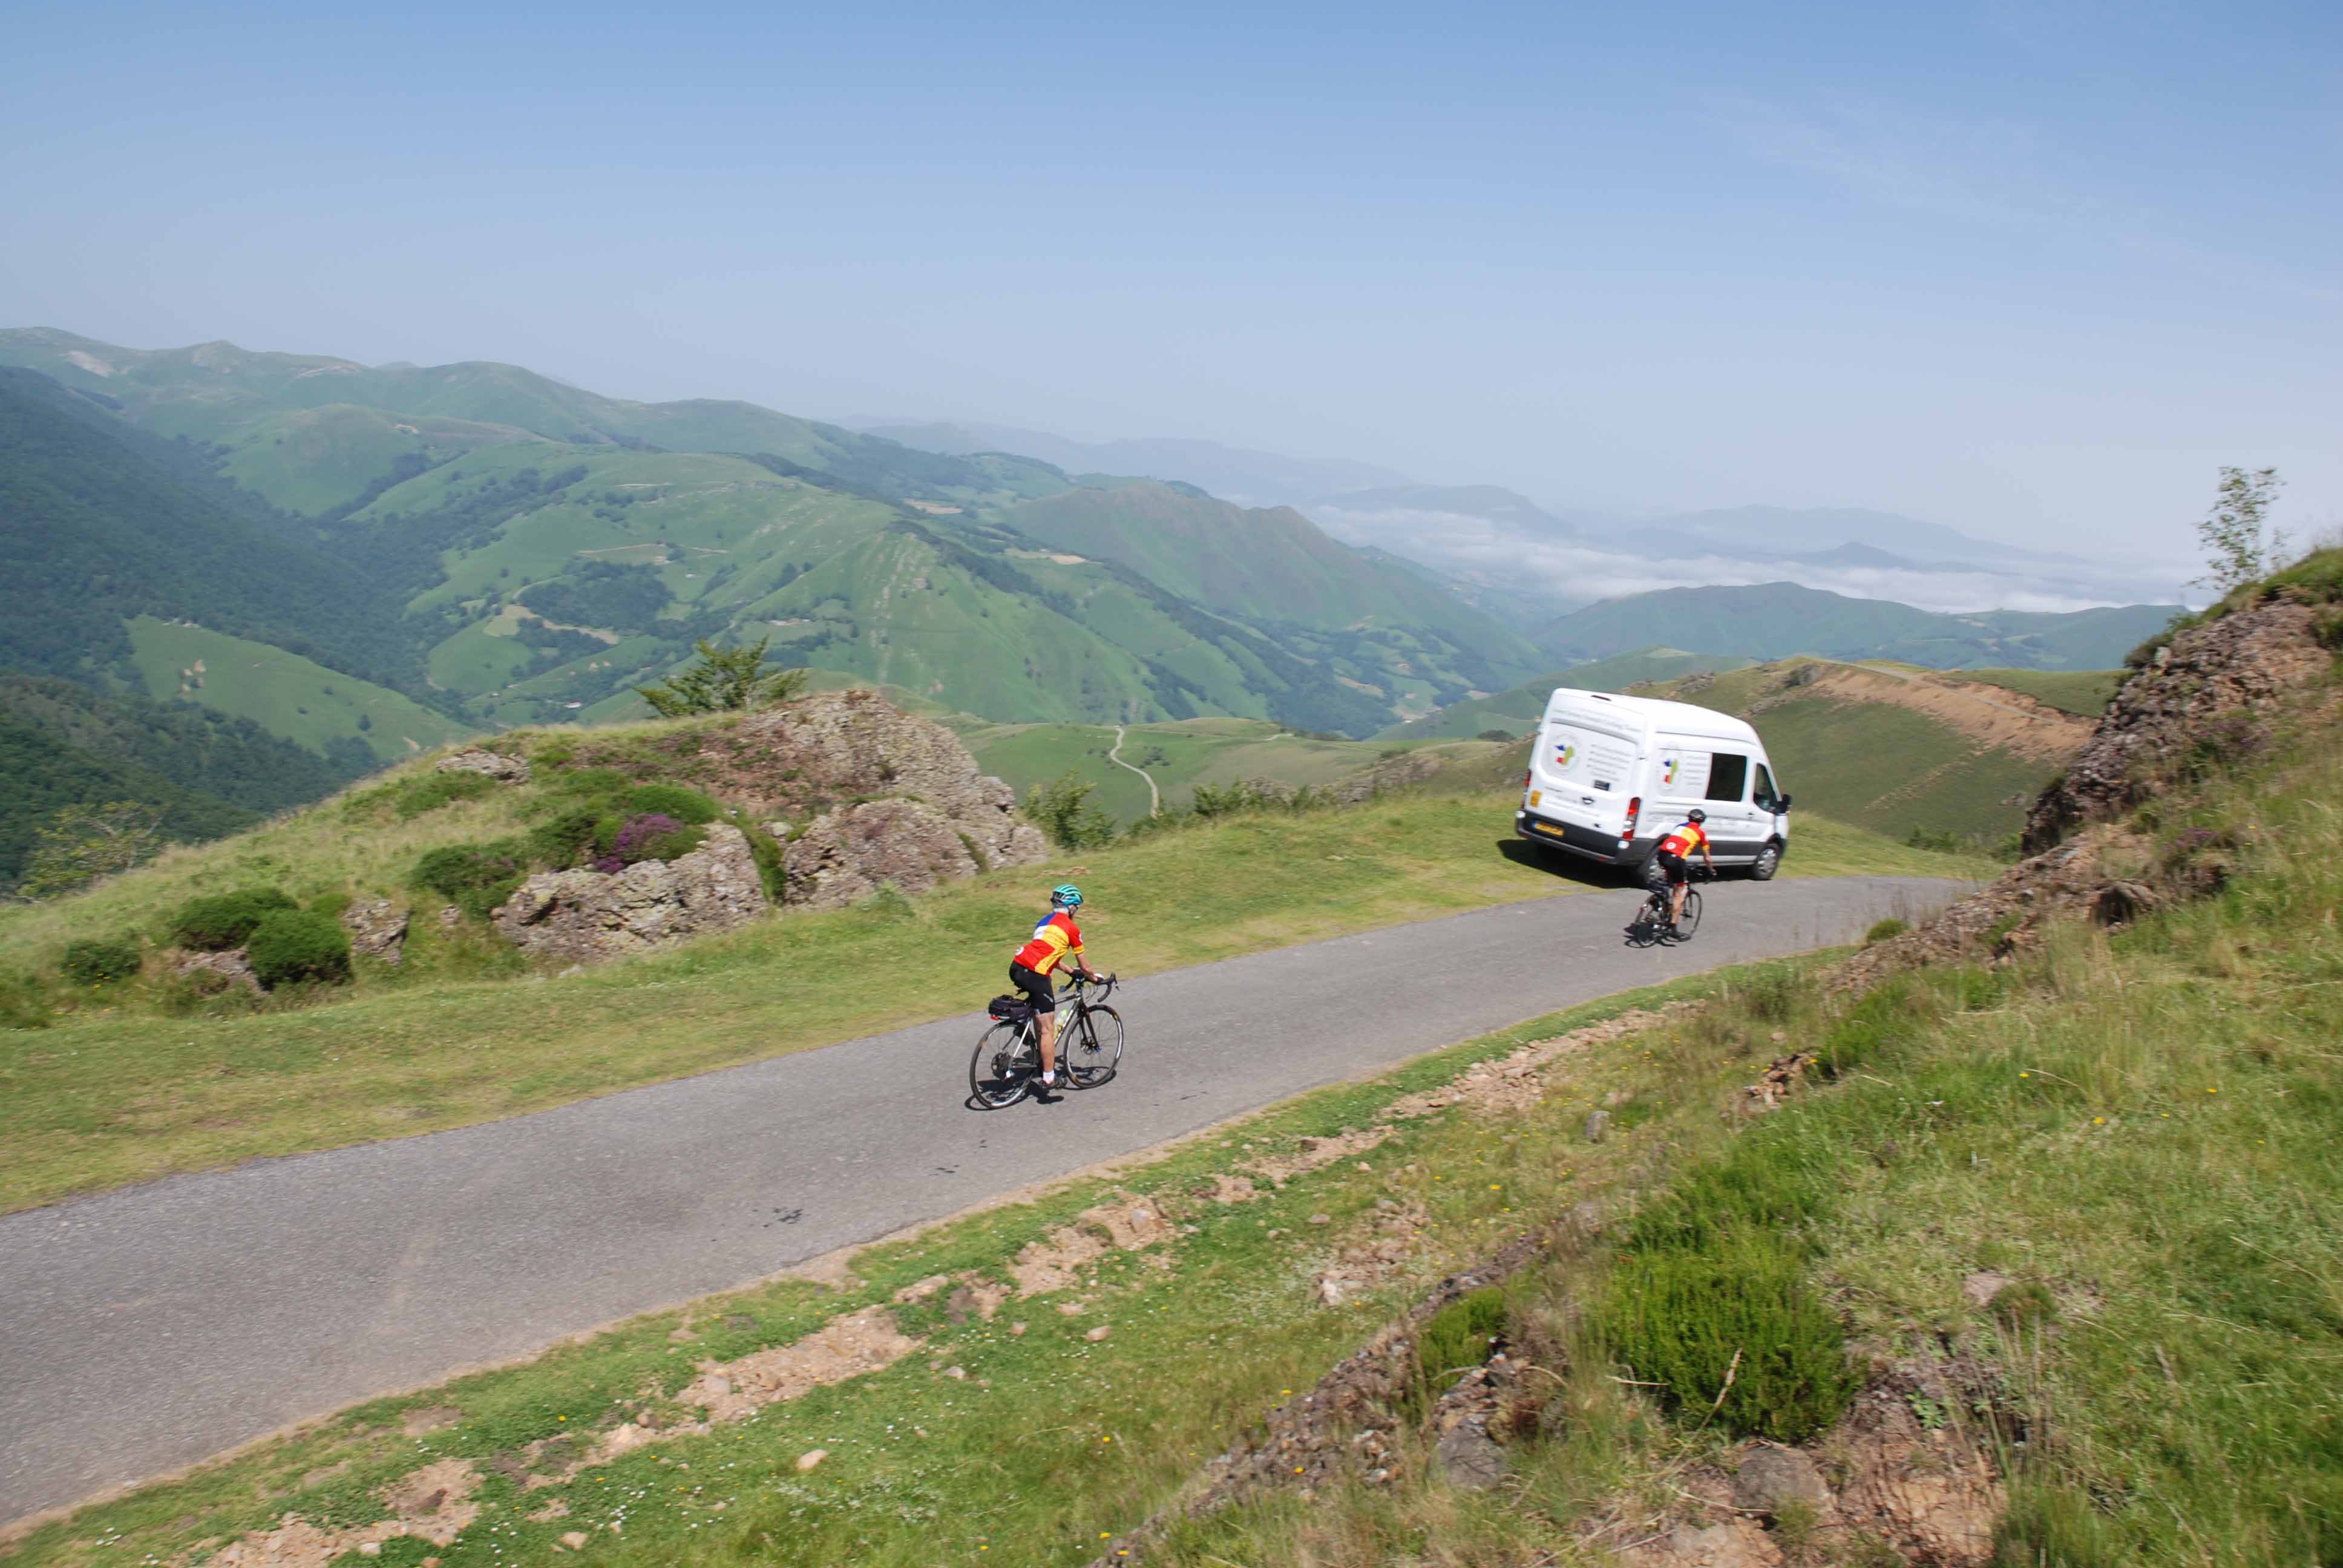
1771 1479
488 764
812 1457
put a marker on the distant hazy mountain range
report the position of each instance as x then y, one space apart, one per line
1527 562
1247 478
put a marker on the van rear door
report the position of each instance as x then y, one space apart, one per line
1584 771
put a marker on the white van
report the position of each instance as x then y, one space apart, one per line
1610 774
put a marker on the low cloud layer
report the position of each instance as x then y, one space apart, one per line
1579 571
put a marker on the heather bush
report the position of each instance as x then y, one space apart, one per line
475 877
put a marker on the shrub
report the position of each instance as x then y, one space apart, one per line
96 962
672 800
1733 1325
475 877
1061 809
1772 997
434 791
1890 927
572 838
223 920
1507 735
293 945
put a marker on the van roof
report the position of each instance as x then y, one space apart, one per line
1658 713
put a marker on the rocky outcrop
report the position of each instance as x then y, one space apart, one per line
377 928
588 916
492 763
2205 694
839 751
213 972
848 854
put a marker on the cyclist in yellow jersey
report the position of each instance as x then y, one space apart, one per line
1671 857
1055 940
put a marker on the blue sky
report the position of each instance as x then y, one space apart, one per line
2030 270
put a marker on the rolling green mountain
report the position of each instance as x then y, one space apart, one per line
1773 620
542 587
297 427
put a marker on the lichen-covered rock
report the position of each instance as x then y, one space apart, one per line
814 755
377 928
493 764
587 916
2206 693
216 972
846 855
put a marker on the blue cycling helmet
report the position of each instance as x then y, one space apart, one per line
1065 896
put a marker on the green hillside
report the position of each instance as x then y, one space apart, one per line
1777 621
1891 752
2085 693
41 774
99 522
292 698
313 460
1519 709
1265 564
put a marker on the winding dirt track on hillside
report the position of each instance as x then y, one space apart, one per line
1154 797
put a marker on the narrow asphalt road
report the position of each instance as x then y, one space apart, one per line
145 1329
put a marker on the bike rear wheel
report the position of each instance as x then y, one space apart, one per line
1092 1049
1005 1067
1689 921
1650 922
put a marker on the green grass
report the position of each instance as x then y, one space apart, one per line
2083 692
131 1083
287 695
1207 1332
1177 755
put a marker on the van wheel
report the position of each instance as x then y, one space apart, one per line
1768 861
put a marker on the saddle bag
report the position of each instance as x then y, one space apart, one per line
1010 1008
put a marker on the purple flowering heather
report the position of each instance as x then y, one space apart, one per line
634 840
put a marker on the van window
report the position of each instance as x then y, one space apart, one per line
1765 796
1728 775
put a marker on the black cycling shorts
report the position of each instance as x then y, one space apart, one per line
1673 869
1037 988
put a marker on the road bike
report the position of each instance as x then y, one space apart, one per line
1650 927
1007 1066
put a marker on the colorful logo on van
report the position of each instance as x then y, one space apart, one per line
1568 754
1669 763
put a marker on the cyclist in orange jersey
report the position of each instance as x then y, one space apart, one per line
1055 940
1672 859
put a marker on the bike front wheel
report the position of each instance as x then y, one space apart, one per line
1094 1051
1004 1068
1689 921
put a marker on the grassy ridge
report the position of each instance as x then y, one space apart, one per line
2083 692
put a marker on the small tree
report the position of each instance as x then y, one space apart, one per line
2239 548
725 678
1061 809
79 844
